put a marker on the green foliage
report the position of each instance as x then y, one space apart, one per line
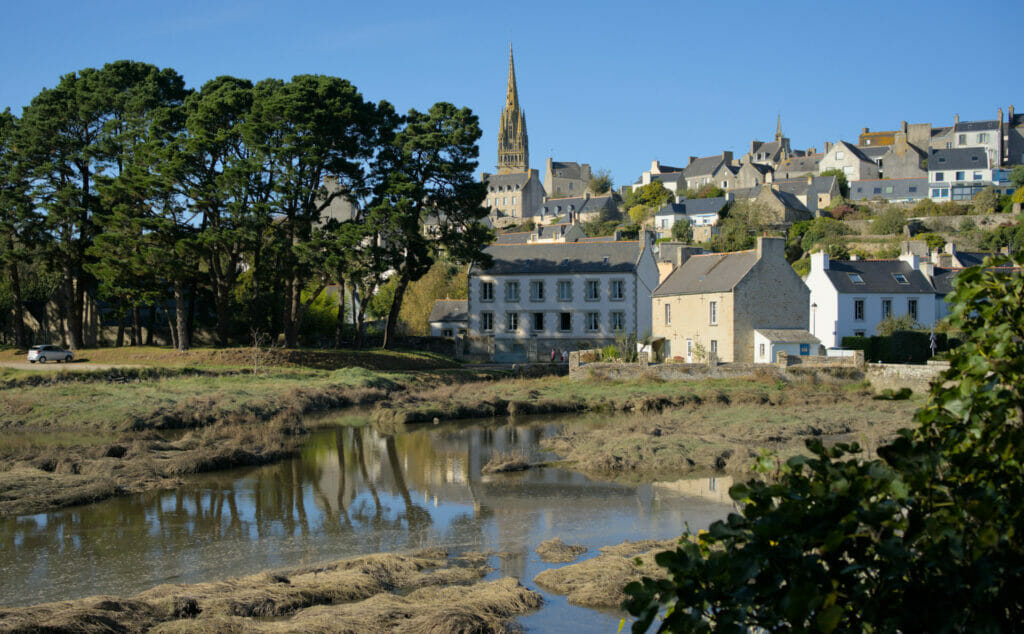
682 231
802 266
708 190
526 225
934 241
925 207
652 195
601 182
985 202
894 323
1011 236
844 184
380 302
820 234
610 352
1017 177
891 220
739 224
320 318
925 537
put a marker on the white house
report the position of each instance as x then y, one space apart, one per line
850 298
447 318
539 297
960 173
699 212
768 343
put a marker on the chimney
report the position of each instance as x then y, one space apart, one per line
1011 114
692 159
912 259
999 116
903 126
810 179
928 269
864 131
682 255
828 147
819 261
774 248
727 156
812 150
956 119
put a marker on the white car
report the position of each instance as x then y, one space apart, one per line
42 354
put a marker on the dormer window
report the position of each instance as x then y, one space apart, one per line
900 278
856 278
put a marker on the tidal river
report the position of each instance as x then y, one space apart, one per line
352 491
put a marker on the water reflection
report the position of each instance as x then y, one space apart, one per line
351 491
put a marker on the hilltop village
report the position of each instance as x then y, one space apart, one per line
736 258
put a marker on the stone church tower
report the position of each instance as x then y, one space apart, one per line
513 147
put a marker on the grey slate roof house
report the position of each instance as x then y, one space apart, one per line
894 189
578 209
448 317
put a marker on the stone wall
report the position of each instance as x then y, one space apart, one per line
786 360
895 376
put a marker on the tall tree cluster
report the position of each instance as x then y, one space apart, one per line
206 208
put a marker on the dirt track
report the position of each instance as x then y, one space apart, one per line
75 366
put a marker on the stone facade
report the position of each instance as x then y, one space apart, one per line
769 294
850 161
565 179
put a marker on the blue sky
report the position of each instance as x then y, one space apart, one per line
612 84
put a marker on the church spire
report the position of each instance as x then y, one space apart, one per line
512 95
513 146
778 128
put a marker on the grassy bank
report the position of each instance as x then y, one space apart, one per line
67 442
648 430
423 592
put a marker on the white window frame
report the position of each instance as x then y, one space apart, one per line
618 321
620 286
537 291
486 291
593 323
563 285
512 321
594 285
487 321
512 291
713 313
668 314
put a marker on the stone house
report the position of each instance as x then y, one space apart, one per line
448 317
815 192
700 171
565 178
783 207
670 177
729 177
540 297
850 298
850 160
577 209
799 166
712 304
699 212
891 189
902 159
513 197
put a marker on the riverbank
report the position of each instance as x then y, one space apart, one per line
83 437
422 592
648 430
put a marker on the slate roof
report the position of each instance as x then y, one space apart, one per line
788 199
971 258
958 159
710 273
787 335
449 310
579 204
976 126
693 206
877 276
901 188
807 163
607 256
800 186
771 148
516 237
703 166
565 169
874 151
942 280
504 180
941 131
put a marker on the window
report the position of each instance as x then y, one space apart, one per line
537 291
858 333
912 308
618 289
447 332
913 189
944 192
593 290
983 137
977 176
886 308
511 322
961 139
565 322
939 177
714 346
592 322
538 321
511 291
888 189
565 291
878 190
935 193
960 176
618 321
856 278
668 314
840 156
858 309
487 291
712 313
760 351
487 322
900 278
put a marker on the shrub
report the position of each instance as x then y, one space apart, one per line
891 220
926 537
609 352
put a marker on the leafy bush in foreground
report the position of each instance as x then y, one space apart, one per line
925 538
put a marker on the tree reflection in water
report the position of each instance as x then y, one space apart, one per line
350 491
